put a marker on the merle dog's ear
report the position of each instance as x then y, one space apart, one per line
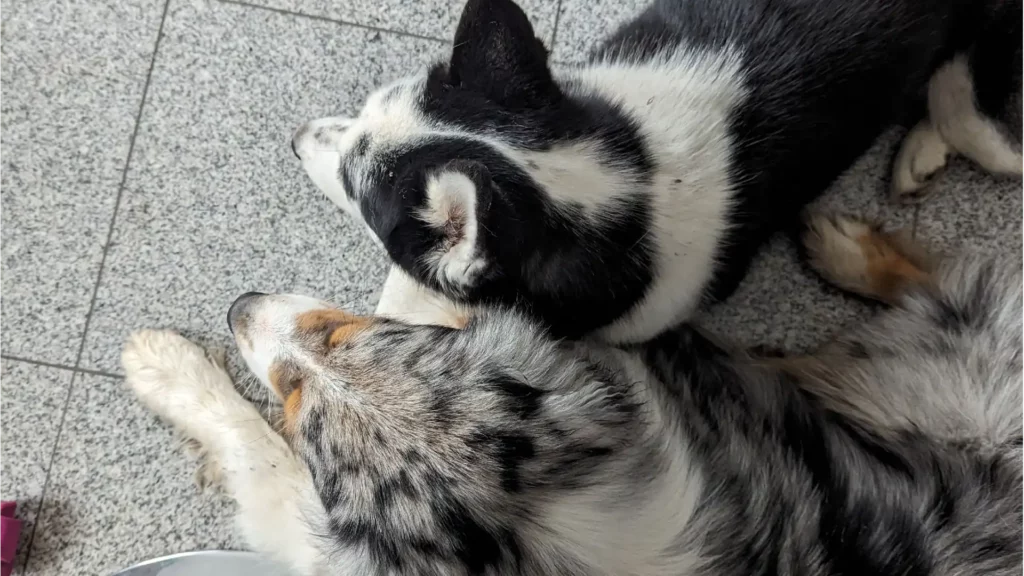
496 53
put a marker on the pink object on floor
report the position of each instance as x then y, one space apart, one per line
10 529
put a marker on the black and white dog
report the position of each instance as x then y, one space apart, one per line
611 198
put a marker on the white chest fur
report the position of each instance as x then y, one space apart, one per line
682 102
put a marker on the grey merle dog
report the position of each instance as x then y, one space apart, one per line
498 449
613 197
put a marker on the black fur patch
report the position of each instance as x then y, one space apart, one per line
361 146
539 258
726 402
475 546
509 450
523 400
995 59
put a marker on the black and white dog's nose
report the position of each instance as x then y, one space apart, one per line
297 139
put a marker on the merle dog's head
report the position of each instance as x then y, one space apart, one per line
444 451
486 180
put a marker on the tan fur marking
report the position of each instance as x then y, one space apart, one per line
342 325
889 272
460 321
292 406
274 374
827 376
344 333
284 378
860 258
317 320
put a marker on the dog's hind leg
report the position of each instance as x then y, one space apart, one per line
861 258
278 510
945 361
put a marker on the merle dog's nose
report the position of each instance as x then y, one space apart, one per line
239 307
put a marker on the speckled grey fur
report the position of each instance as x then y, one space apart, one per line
497 450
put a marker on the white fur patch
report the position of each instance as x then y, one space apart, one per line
576 172
954 113
682 102
451 209
279 513
608 530
405 299
269 331
317 143
922 154
389 118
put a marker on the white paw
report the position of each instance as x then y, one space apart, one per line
153 361
177 379
921 158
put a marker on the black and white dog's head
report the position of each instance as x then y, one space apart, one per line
488 181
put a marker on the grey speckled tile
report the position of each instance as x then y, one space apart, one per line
863 190
121 490
968 208
583 24
783 304
432 18
215 202
32 400
73 78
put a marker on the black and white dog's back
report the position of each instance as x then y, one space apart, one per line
614 197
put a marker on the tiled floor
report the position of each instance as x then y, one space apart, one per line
147 180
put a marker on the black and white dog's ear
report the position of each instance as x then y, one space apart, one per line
497 54
458 197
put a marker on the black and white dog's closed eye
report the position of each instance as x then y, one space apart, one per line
613 197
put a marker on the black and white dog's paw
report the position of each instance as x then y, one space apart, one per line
922 157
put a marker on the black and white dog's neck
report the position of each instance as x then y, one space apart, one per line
681 100
613 198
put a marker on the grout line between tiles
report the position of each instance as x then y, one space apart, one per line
60 366
120 188
103 373
95 291
46 480
554 31
332 20
37 362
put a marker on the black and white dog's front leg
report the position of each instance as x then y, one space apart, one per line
279 513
